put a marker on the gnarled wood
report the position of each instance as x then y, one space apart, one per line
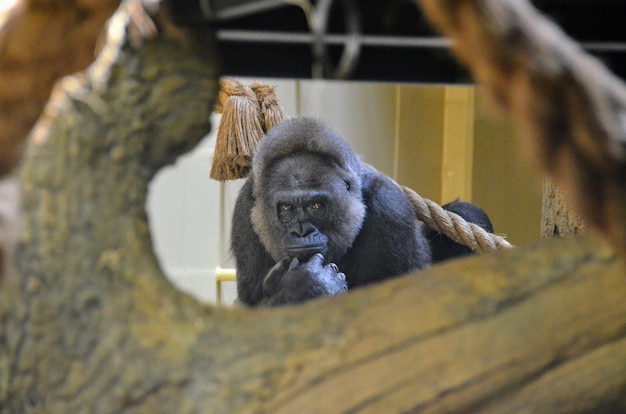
558 219
90 324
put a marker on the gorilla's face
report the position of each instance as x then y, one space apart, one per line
309 207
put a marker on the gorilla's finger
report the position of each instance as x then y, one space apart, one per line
294 263
317 259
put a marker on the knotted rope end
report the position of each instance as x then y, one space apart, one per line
248 112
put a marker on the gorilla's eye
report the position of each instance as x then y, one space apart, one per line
347 185
286 211
317 210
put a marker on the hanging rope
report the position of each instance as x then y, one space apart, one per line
248 112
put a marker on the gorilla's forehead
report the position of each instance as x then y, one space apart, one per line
304 170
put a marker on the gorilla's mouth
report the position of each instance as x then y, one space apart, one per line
304 252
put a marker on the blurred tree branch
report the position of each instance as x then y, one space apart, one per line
41 41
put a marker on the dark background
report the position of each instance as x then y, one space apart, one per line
597 24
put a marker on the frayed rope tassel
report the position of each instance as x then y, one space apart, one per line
248 112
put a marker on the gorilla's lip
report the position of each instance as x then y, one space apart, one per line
305 250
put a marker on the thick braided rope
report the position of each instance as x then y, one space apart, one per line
454 226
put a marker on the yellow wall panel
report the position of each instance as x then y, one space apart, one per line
458 143
419 131
504 184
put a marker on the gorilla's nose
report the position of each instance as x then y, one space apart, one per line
303 229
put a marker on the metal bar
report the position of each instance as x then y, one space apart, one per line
231 9
258 36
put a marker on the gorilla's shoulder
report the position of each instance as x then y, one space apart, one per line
377 188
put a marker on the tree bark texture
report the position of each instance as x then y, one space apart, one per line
90 324
558 218
567 108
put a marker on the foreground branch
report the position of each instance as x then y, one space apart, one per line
40 42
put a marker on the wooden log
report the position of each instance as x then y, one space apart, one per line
558 218
90 324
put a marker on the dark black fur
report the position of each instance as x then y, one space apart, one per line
442 247
313 220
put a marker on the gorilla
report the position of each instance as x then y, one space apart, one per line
314 220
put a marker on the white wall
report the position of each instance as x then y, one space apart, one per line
185 213
363 113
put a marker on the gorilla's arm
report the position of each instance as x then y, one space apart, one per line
252 260
390 242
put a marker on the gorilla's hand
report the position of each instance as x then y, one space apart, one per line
292 281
